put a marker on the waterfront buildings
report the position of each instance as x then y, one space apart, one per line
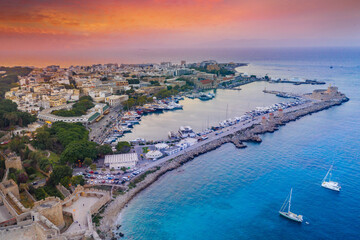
154 155
187 142
172 150
53 87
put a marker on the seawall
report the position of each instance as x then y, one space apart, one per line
238 138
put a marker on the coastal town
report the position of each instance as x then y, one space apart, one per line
66 172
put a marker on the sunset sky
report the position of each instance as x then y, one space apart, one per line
36 28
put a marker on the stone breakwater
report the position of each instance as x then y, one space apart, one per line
250 134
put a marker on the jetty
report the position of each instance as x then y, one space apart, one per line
282 94
243 80
238 134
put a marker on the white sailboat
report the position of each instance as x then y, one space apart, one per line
288 214
330 184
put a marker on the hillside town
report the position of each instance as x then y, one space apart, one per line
53 86
63 160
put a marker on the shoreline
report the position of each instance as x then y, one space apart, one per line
248 134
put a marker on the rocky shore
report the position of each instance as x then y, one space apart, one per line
250 134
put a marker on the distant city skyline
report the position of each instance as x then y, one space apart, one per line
42 32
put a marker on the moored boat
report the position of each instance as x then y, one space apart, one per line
186 131
288 214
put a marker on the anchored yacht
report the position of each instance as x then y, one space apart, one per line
330 184
288 214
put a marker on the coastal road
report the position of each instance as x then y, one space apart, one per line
211 137
98 129
221 133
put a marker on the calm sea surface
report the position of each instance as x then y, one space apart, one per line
234 193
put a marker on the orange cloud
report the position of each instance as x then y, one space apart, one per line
38 25
93 17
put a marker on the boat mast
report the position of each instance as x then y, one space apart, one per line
290 200
227 108
327 173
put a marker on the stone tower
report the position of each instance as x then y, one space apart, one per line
51 208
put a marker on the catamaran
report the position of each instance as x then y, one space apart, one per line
288 214
330 184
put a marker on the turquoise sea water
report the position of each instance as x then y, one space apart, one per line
234 193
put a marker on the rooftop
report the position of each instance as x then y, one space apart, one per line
93 117
121 158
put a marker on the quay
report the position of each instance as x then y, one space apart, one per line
238 133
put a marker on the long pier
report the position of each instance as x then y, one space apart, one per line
238 134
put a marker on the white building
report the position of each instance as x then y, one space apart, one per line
116 100
187 142
154 155
161 146
172 150
117 161
91 115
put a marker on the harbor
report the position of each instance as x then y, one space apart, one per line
135 123
201 115
238 133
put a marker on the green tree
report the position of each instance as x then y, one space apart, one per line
26 153
66 181
78 109
17 144
128 104
10 116
93 166
87 161
145 149
78 150
44 164
30 170
59 173
104 149
12 176
34 158
123 147
155 83
133 81
40 193
76 180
